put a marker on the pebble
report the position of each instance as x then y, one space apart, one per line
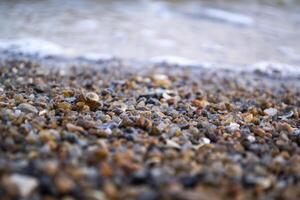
92 96
27 108
233 127
251 138
259 132
270 111
25 184
285 127
74 128
64 184
172 144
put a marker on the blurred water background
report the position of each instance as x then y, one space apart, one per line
181 31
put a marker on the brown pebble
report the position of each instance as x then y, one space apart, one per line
285 127
64 184
258 131
74 128
64 106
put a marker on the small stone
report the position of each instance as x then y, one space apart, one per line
172 144
92 96
203 141
27 108
74 128
143 123
248 118
258 131
49 135
25 184
106 170
265 183
285 127
162 80
232 127
200 103
270 111
251 138
64 184
92 100
64 106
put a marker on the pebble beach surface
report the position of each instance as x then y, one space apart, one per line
164 132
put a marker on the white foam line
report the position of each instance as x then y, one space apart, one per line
227 16
38 47
174 60
269 68
43 48
32 46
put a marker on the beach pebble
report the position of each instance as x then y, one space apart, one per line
27 108
64 184
232 127
251 138
74 128
25 184
258 131
270 111
92 96
172 144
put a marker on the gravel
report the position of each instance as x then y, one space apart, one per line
117 132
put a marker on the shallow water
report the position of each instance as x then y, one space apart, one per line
211 32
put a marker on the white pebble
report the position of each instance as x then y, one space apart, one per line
251 138
270 111
172 144
233 127
25 184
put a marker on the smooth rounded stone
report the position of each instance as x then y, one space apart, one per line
283 126
27 108
25 184
259 131
232 127
74 128
270 111
91 99
200 103
251 138
172 144
92 96
48 135
202 142
162 80
64 184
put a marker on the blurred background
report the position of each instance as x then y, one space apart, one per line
224 32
